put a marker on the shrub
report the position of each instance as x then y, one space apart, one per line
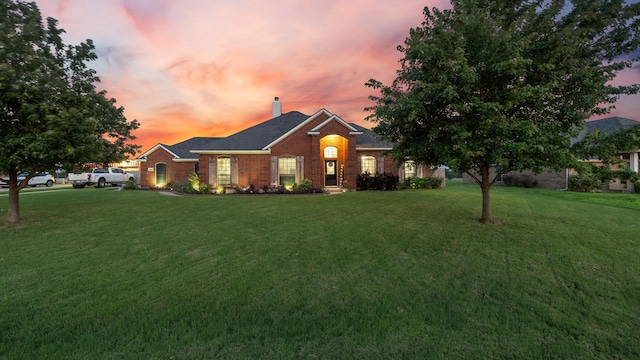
423 183
304 186
636 187
184 187
130 185
384 181
205 188
194 180
584 182
452 174
520 180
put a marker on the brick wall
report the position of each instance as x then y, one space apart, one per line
176 171
388 164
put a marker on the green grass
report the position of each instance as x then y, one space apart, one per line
95 273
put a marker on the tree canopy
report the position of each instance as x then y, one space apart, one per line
51 114
504 84
606 148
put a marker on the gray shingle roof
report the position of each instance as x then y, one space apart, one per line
183 149
369 140
607 126
258 136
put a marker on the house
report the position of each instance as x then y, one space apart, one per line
279 152
560 179
630 159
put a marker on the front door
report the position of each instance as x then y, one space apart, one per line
330 173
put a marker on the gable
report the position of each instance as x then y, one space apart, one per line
158 146
335 118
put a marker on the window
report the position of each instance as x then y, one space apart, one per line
224 171
286 171
368 164
161 174
409 169
196 168
330 152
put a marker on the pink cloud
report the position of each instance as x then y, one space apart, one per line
210 68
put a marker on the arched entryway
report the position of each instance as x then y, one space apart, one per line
333 151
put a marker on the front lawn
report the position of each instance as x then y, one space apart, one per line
96 273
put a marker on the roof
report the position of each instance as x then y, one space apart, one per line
607 126
258 136
181 150
369 140
261 136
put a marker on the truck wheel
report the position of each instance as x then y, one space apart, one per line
49 183
101 182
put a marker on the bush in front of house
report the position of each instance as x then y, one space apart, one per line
205 188
185 187
305 186
519 180
423 183
585 182
636 187
129 185
384 181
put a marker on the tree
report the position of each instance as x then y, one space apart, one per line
606 148
51 114
504 84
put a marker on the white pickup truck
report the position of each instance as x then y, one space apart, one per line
100 177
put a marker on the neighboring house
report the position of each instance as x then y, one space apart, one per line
560 179
276 153
630 159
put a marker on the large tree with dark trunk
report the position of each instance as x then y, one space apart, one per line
492 86
51 115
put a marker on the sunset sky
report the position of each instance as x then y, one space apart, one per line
211 67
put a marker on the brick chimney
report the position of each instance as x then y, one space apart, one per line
276 108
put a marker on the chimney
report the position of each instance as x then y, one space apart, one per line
276 108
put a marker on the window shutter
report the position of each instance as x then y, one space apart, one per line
213 172
299 169
274 171
234 171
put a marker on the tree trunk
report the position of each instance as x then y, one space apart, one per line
485 185
13 212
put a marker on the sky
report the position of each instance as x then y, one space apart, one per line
212 67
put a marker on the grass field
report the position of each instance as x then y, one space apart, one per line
102 274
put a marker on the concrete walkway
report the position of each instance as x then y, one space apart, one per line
168 193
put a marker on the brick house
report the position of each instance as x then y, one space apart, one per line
278 152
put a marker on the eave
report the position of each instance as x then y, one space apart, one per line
232 152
